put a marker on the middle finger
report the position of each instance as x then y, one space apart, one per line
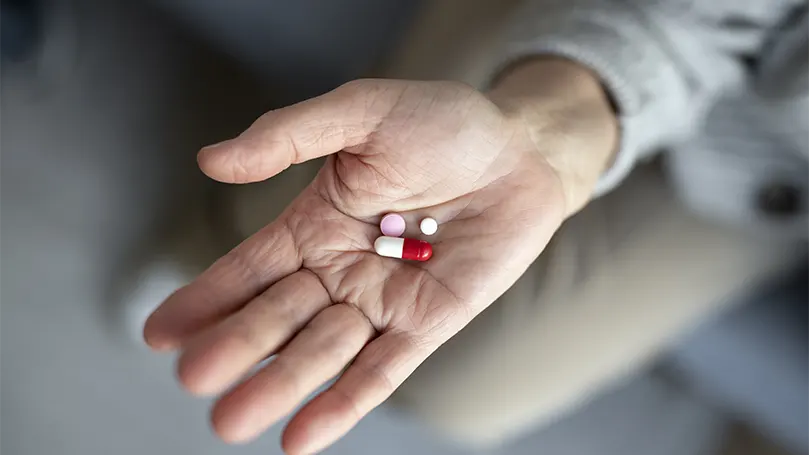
318 353
223 353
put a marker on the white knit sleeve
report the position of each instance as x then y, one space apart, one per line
662 61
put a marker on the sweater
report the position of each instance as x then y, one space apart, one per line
719 87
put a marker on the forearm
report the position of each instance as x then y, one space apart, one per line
661 62
562 103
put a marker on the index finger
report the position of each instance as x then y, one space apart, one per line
232 281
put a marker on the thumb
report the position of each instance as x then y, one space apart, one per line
320 126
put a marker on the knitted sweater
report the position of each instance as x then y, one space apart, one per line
720 86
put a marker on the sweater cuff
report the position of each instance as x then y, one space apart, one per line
633 69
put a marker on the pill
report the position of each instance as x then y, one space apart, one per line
397 247
392 225
428 226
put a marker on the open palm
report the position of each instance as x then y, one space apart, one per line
309 288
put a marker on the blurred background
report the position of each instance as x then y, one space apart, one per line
104 105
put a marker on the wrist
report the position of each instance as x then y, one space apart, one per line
568 117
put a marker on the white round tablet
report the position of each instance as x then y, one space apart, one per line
428 226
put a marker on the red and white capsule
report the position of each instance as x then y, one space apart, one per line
397 247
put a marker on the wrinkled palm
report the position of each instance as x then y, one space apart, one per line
309 288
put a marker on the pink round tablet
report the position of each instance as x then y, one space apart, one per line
392 225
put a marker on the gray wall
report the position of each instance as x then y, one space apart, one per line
300 47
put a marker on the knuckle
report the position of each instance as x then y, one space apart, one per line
368 90
249 326
240 168
357 85
459 88
241 265
349 402
289 378
377 379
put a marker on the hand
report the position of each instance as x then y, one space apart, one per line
309 288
